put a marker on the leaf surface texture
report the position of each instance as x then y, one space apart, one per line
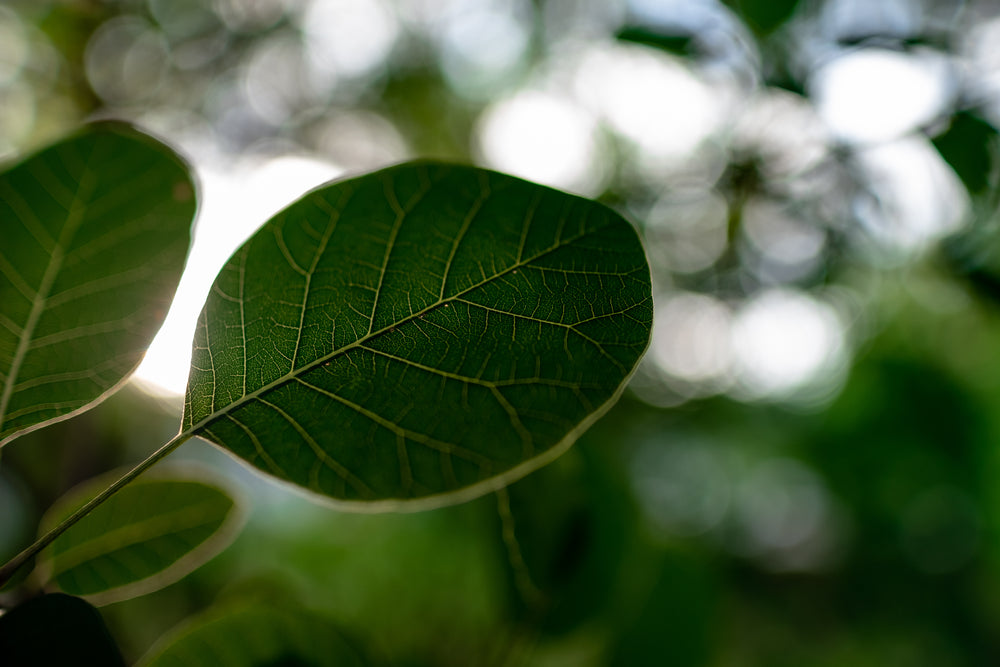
427 332
95 230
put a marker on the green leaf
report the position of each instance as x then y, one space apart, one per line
147 536
95 230
254 635
426 333
56 630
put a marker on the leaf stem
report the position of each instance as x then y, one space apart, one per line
11 567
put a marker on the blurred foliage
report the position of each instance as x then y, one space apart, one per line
679 45
763 16
969 145
804 470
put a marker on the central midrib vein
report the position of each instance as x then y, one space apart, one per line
288 377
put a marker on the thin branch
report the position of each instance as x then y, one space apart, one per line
10 568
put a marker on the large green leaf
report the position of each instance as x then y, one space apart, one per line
254 635
150 534
55 631
425 333
95 230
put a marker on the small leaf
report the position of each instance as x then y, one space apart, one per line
95 230
254 635
56 630
147 536
425 333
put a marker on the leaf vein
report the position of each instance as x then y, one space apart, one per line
421 438
73 220
484 193
360 487
15 278
195 427
397 224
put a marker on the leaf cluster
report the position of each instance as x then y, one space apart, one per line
406 339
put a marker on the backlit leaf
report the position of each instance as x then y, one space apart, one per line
425 333
94 234
150 534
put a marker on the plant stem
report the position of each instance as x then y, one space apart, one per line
11 567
